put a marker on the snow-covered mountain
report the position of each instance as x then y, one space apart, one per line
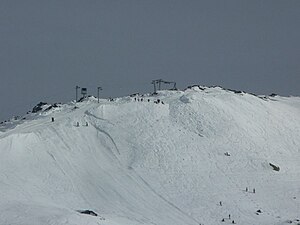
175 158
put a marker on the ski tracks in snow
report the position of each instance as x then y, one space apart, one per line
164 199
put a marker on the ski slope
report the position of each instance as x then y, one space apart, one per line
141 162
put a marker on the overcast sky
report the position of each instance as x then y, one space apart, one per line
49 47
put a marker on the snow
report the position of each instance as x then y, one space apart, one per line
138 162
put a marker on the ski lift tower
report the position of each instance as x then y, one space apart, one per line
154 82
77 87
159 81
84 92
171 82
98 90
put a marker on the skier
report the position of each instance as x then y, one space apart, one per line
223 220
220 203
229 216
86 124
253 190
233 221
77 124
246 189
52 119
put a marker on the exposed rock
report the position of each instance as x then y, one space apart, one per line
227 153
55 105
276 168
38 107
88 212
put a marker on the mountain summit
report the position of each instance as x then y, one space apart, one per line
200 156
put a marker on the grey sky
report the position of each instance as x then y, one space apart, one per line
48 47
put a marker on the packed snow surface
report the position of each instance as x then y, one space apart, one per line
186 159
